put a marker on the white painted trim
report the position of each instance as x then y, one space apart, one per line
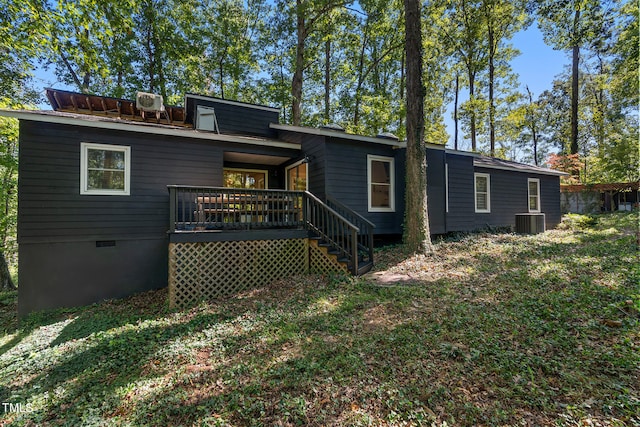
460 152
337 134
392 183
229 102
537 181
264 171
296 164
139 127
84 167
477 175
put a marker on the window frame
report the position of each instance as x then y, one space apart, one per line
84 169
392 183
477 175
538 198
264 171
295 165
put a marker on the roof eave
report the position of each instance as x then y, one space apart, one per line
147 128
539 171
337 134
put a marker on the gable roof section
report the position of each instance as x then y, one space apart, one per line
102 122
337 134
493 163
231 102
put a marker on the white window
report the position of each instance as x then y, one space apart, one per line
534 195
381 182
105 169
482 192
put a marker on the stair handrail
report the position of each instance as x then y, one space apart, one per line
333 200
364 224
347 245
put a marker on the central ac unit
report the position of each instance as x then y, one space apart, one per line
149 102
530 223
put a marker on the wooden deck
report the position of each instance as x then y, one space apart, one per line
345 234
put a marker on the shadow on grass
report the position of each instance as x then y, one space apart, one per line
349 353
97 371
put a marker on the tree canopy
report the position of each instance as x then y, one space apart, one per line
343 61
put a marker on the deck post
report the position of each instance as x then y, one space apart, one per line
354 251
173 205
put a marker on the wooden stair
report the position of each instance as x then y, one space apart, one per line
333 255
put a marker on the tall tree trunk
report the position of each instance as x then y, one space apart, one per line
221 77
416 232
574 85
492 108
533 127
296 83
356 108
6 284
455 114
327 80
472 119
151 57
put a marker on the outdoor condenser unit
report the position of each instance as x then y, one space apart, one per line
149 102
530 223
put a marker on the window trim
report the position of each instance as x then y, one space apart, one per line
264 171
84 169
295 165
477 175
539 209
392 183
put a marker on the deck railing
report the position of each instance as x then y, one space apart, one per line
334 229
199 209
217 208
365 236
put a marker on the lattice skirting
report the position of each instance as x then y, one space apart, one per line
207 270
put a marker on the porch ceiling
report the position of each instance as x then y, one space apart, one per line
259 159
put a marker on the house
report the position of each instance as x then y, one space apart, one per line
118 196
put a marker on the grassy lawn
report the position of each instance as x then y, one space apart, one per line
490 330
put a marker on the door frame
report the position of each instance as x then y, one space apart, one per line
295 165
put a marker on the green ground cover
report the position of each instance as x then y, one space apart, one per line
492 329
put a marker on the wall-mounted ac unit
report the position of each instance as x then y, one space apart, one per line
149 102
530 223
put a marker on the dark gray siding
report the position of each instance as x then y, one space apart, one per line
550 199
58 228
314 148
346 180
436 190
509 196
234 118
460 216
51 208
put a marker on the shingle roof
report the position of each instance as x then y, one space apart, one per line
494 163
